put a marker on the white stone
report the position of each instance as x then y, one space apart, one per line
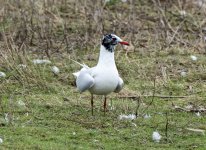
2 75
55 70
21 103
182 13
147 116
41 61
183 73
198 114
129 117
156 136
194 58
1 140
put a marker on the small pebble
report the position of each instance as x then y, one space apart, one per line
182 13
130 117
2 75
183 73
198 114
55 70
156 136
41 61
194 58
1 140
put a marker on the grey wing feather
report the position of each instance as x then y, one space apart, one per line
119 86
84 81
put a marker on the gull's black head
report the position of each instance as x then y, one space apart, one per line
110 41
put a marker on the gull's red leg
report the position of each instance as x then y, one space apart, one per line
92 103
105 103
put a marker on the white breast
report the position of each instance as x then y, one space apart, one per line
105 79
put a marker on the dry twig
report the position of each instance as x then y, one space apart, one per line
197 130
190 110
158 96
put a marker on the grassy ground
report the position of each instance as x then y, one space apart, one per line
40 110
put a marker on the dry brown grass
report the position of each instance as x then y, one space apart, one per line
49 27
163 34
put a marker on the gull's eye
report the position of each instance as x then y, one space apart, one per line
114 39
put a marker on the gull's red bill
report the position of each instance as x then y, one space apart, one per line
124 43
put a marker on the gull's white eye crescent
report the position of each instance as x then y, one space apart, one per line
114 39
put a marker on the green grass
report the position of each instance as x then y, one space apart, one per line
56 116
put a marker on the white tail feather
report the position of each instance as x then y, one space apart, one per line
76 74
85 67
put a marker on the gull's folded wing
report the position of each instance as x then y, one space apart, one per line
119 86
84 81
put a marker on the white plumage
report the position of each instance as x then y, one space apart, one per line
104 77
